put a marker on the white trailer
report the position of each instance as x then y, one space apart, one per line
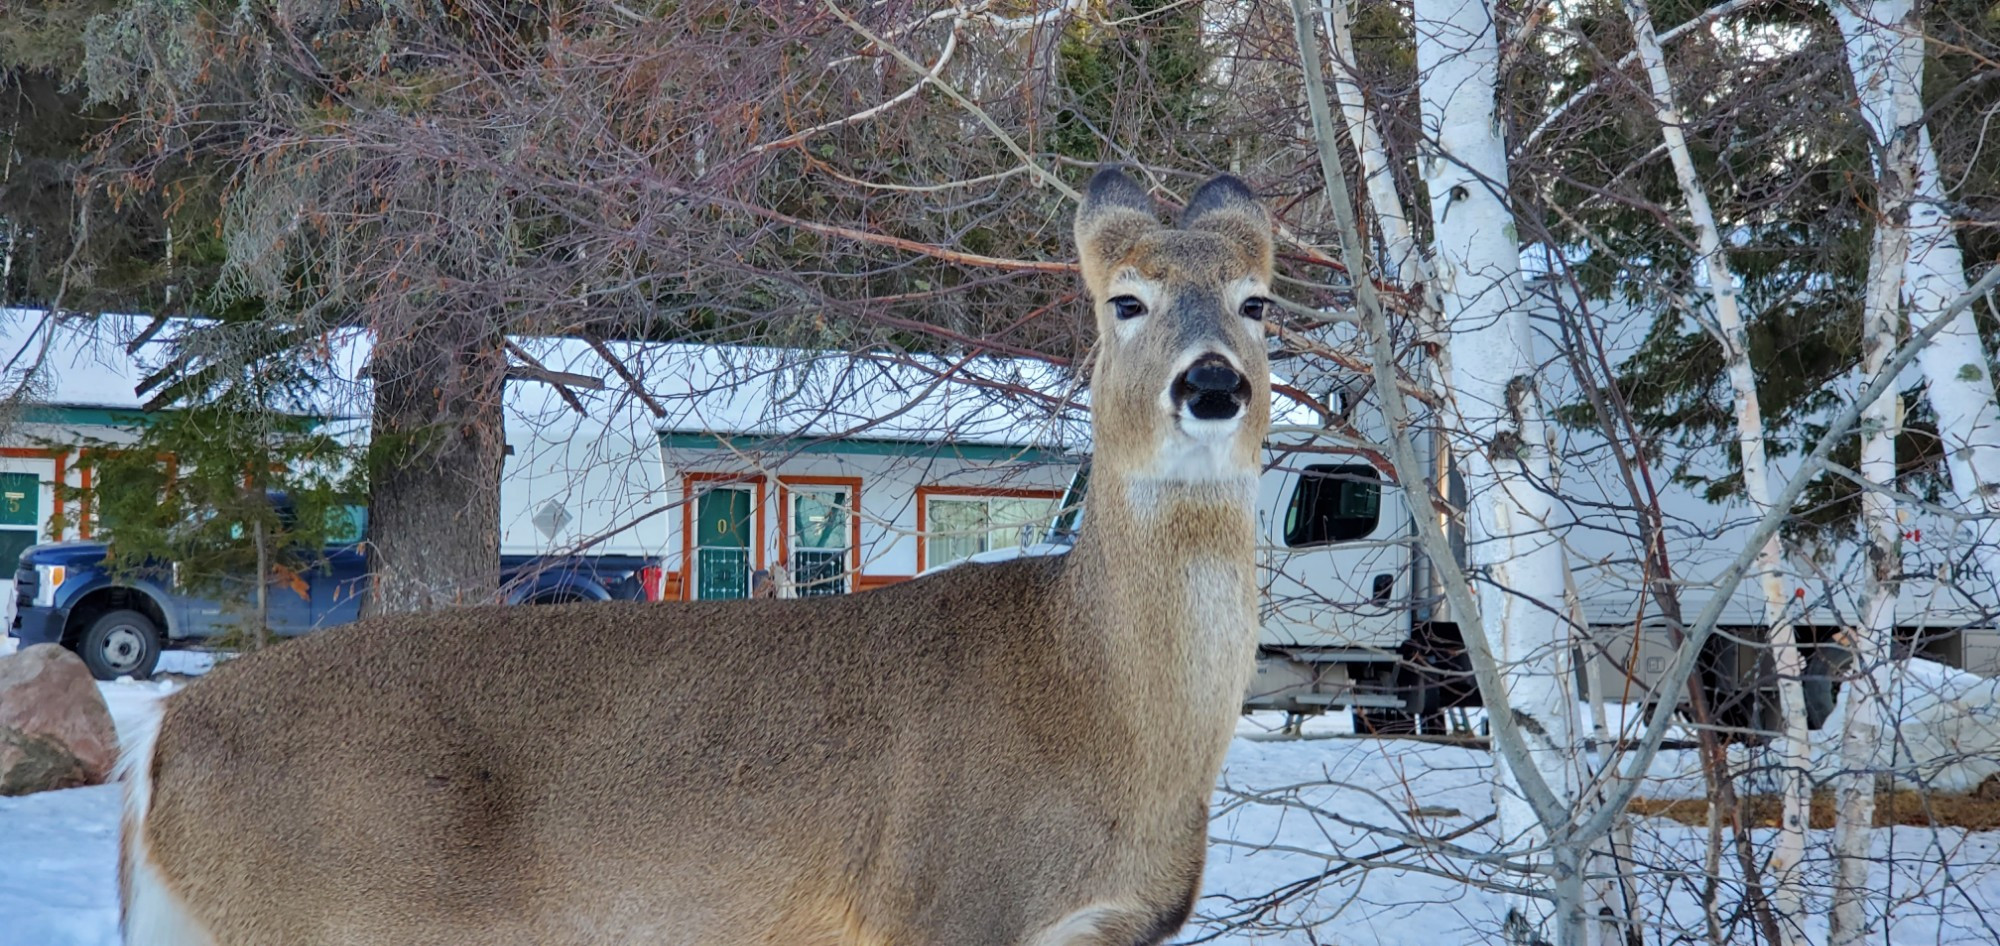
1353 617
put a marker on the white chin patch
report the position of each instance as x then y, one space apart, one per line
1200 451
1209 430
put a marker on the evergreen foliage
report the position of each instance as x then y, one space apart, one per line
1149 79
201 488
1790 172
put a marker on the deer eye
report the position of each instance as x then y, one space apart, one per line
1127 307
1253 308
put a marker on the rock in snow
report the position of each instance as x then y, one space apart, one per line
55 730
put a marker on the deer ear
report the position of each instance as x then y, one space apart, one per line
1225 205
1115 213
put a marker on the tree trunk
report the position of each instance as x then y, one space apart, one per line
260 623
1885 51
434 470
1854 818
1887 58
1613 898
1499 427
1399 242
1788 895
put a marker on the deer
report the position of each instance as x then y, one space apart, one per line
1018 753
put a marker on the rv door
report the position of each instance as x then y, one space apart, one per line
1335 562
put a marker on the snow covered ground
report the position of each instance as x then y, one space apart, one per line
1288 811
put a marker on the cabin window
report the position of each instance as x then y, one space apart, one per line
960 526
722 543
820 530
1333 503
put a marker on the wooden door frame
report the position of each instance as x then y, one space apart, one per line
853 486
689 492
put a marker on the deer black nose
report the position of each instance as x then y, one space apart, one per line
1211 388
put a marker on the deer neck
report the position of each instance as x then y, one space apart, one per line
1166 573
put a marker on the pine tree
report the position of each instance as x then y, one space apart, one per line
249 479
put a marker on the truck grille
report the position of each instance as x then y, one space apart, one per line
24 585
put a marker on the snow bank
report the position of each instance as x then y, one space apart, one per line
1289 810
58 850
1941 727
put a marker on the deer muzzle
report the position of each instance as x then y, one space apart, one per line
1211 389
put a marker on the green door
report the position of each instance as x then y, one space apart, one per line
20 518
722 544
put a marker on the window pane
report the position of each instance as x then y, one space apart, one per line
957 515
819 520
1333 503
1013 516
13 542
20 499
722 519
945 549
954 529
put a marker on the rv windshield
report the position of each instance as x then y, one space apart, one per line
1069 515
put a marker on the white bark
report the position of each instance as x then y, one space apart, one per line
1772 577
1885 51
1854 812
1499 429
1888 66
1401 254
1398 240
1612 900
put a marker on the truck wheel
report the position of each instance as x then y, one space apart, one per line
120 644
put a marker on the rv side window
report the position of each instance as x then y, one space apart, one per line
1334 503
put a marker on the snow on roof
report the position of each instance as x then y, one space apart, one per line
70 363
798 393
731 391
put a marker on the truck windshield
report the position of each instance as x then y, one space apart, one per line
346 524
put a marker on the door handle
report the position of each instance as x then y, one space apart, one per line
1385 585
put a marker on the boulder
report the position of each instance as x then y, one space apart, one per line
55 731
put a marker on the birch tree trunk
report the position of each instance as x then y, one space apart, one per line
1854 813
1884 40
1399 241
1498 423
1788 888
1886 53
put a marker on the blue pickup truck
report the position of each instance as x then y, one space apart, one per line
119 624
